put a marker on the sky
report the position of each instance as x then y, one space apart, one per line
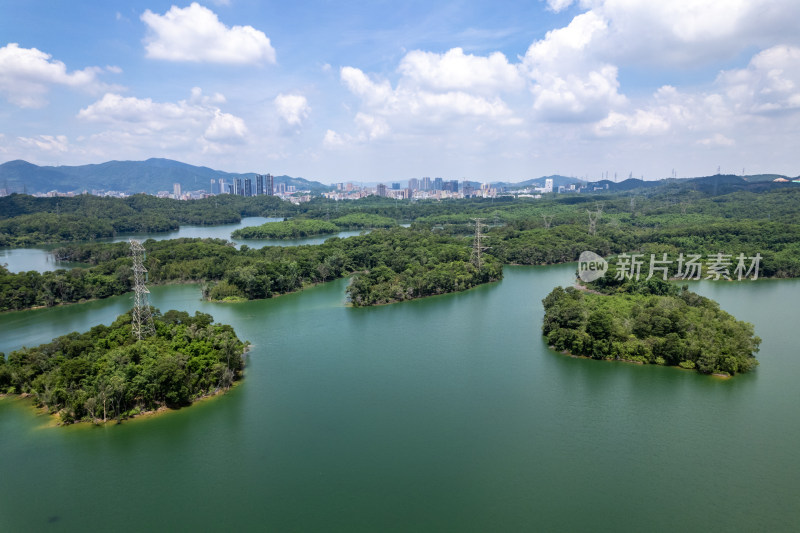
382 91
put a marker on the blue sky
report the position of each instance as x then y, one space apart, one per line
380 91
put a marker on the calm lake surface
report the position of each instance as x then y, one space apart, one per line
42 259
444 414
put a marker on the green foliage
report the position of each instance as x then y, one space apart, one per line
288 229
105 373
669 219
364 221
675 327
25 221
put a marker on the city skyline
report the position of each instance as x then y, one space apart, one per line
380 93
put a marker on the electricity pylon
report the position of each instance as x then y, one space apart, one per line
477 246
593 218
141 318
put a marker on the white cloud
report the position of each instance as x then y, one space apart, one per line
46 143
434 91
196 34
558 5
454 71
568 84
163 124
770 82
226 129
686 32
766 91
638 123
371 127
293 109
332 140
26 75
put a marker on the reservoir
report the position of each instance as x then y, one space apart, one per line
448 413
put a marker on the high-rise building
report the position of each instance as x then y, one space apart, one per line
248 187
413 184
548 185
395 186
260 185
426 184
381 190
466 187
280 188
269 184
176 191
450 185
438 184
216 186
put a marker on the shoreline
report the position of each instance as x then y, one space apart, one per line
634 362
52 420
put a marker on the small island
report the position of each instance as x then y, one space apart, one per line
287 229
649 322
106 373
301 227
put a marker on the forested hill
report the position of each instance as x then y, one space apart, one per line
148 176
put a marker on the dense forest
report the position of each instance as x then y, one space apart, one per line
410 263
652 322
676 218
105 373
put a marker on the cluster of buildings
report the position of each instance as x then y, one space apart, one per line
428 188
262 185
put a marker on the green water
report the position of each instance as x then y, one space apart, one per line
445 414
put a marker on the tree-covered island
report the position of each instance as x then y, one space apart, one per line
650 322
105 373
306 227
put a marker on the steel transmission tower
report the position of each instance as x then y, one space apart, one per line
594 217
477 246
141 318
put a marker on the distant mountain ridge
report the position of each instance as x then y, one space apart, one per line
155 174
148 176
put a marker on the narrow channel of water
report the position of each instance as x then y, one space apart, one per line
41 258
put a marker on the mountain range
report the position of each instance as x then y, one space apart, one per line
155 175
148 176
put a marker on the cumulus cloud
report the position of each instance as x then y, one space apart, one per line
26 75
638 123
685 32
457 71
433 91
770 83
176 124
196 34
568 83
768 88
293 109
